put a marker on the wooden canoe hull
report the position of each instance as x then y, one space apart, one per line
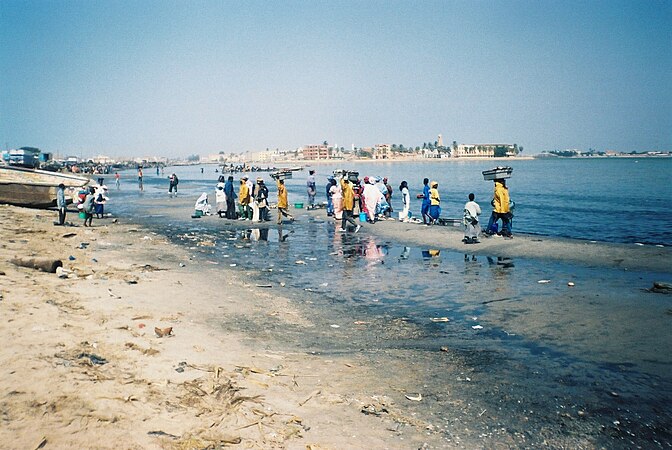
35 188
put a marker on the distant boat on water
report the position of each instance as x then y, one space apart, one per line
35 188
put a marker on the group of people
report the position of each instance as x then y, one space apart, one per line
374 200
89 201
501 210
346 194
252 200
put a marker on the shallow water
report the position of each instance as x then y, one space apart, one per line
623 200
544 349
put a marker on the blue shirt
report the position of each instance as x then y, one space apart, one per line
425 193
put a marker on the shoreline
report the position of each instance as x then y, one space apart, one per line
130 279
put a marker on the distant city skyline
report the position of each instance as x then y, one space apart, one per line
174 78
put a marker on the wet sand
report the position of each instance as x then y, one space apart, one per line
206 384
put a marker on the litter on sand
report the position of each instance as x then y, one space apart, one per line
161 332
440 319
415 398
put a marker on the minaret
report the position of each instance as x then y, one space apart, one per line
440 141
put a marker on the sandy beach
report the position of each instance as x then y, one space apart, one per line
124 348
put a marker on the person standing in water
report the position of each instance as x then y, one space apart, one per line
425 202
261 199
173 184
283 204
348 206
470 220
311 188
330 202
140 177
116 179
230 198
406 199
501 210
244 199
434 202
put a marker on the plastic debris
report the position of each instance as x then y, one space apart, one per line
162 332
440 319
570 284
415 398
477 327
543 281
94 359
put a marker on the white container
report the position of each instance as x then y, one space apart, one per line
498 173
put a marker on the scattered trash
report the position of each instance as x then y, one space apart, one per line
440 319
71 258
94 260
639 243
543 281
141 325
415 398
62 273
111 294
233 265
162 434
264 285
444 349
83 245
94 359
477 327
361 322
661 287
614 394
312 394
282 284
69 235
182 264
162 332
299 262
42 443
335 326
570 284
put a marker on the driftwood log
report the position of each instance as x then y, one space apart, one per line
43 264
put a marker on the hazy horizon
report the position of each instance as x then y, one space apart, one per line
174 78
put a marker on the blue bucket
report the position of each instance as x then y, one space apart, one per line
362 217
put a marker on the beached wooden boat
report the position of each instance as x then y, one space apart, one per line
35 188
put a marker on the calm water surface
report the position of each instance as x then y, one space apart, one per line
537 341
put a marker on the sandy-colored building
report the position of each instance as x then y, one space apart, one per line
482 150
313 152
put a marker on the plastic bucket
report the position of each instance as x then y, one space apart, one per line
298 205
362 217
82 215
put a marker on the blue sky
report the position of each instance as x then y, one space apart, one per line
174 78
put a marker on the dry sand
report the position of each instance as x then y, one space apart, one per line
198 387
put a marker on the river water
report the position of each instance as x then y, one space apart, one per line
540 352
